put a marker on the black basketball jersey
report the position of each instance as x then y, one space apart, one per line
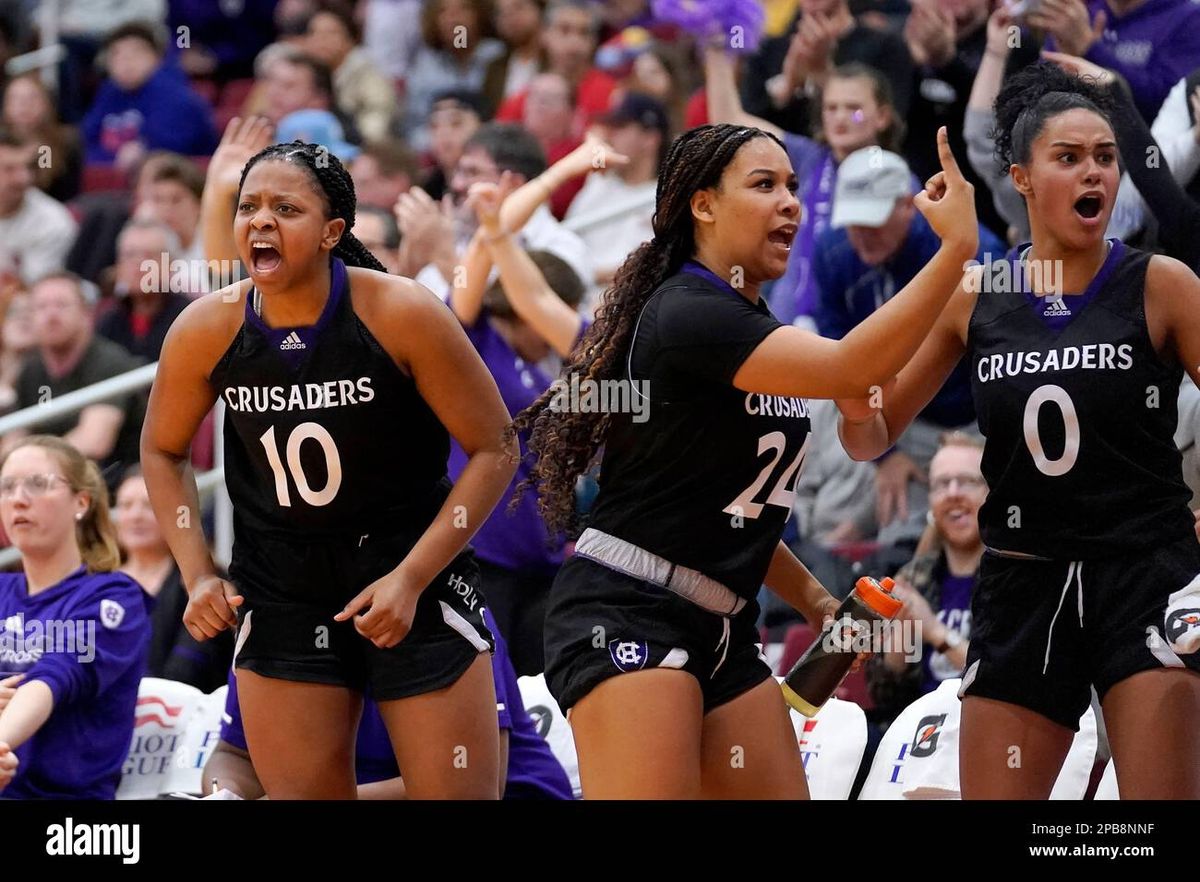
706 476
323 431
1080 457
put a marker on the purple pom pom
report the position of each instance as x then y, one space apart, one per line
743 22
738 24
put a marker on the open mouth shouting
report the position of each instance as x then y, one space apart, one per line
1089 207
264 256
783 236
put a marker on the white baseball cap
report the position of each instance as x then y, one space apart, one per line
869 181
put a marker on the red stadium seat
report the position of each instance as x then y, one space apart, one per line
795 641
234 94
854 688
97 178
206 89
223 114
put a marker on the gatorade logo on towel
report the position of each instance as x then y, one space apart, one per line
925 739
1182 619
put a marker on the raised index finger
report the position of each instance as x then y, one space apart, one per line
946 155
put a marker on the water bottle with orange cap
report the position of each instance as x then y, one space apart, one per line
823 666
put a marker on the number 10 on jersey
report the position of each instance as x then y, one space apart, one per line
333 464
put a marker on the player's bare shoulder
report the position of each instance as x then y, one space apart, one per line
207 326
398 311
1172 297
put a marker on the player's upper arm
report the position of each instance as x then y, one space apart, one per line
181 395
924 375
427 341
1173 310
793 361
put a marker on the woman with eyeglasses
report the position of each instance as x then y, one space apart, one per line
74 632
937 584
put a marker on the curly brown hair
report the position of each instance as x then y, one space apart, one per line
565 445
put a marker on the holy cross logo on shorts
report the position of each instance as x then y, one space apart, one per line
629 655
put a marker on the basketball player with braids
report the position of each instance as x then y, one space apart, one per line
349 573
650 627
1076 346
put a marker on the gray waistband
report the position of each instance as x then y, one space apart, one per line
625 557
1016 555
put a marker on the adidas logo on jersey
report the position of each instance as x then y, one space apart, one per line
1055 306
292 341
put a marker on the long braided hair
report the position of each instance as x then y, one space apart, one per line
334 182
565 444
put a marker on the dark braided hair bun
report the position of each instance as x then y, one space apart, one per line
1030 98
331 180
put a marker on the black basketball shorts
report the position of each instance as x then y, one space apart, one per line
1044 632
601 623
294 586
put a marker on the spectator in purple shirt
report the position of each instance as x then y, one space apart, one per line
73 633
223 38
144 104
524 318
1153 44
937 584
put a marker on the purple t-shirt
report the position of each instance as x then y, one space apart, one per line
517 541
533 772
86 638
1153 46
955 613
795 294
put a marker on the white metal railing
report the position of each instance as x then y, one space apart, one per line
43 59
122 384
210 482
